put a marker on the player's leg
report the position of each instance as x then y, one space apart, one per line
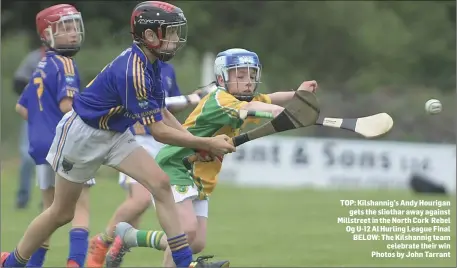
73 142
44 225
196 214
201 211
137 201
189 222
79 232
25 170
139 164
46 182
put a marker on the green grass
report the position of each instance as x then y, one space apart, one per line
249 227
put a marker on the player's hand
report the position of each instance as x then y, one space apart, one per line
310 86
194 99
199 92
220 145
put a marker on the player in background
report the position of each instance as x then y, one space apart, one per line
138 198
21 79
46 98
97 133
237 73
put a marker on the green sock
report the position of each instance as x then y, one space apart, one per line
149 239
143 239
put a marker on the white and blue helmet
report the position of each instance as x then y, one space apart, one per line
237 58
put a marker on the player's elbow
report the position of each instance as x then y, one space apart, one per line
158 131
277 110
65 105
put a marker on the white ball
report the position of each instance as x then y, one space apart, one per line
433 106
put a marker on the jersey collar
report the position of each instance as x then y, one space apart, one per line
137 50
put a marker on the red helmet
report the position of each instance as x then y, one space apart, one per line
168 23
61 28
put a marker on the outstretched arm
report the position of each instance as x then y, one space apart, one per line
281 98
258 106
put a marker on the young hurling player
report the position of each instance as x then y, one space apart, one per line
237 74
44 101
138 198
97 132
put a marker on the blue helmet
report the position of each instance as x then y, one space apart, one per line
237 58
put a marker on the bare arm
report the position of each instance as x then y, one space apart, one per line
170 135
22 111
281 98
263 107
170 120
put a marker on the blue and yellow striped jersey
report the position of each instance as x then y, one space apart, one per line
55 78
126 91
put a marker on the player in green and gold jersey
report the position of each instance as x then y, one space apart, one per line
237 74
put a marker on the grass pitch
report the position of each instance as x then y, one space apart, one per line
249 227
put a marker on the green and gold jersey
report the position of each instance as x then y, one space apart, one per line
216 114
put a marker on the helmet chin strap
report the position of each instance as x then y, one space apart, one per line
241 97
65 51
161 56
247 98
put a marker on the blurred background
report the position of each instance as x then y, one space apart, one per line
367 56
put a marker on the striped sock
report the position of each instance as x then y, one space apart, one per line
180 250
143 239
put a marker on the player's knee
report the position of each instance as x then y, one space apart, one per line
160 185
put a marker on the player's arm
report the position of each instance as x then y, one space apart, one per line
67 83
175 92
21 106
142 104
281 98
154 119
170 120
183 102
258 106
22 111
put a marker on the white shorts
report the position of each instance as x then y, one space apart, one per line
78 150
181 193
151 146
46 177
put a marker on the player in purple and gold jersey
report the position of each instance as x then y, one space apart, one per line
138 198
96 132
44 101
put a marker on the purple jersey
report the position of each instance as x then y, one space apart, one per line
170 87
126 91
169 80
55 78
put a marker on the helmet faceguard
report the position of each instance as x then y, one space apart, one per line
61 29
166 21
236 59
